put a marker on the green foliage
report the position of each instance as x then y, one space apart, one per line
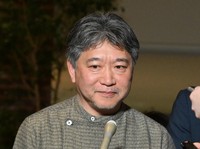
33 33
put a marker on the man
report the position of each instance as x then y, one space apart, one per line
183 125
101 55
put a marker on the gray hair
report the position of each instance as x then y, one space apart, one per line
97 27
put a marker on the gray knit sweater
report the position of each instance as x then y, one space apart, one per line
67 125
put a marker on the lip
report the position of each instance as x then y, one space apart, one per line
107 94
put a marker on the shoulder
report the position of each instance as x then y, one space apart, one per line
146 130
143 120
51 113
144 126
183 96
182 103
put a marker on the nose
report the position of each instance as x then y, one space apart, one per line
107 77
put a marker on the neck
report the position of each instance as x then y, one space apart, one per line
90 108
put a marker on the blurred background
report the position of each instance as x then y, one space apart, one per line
32 54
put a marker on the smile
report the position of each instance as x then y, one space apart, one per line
107 94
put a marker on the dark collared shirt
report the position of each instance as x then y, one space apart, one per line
183 125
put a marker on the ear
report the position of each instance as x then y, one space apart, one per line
71 71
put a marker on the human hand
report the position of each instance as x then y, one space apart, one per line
188 145
195 99
197 144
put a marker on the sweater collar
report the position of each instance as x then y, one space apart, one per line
100 119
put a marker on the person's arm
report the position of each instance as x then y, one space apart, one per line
25 137
178 126
195 99
167 142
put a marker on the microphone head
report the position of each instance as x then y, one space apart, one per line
109 131
110 128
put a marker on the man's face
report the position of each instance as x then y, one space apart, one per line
103 78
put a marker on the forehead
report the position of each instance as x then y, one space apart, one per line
106 50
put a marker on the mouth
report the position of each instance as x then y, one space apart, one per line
107 94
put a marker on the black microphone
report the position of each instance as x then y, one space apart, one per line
188 145
109 131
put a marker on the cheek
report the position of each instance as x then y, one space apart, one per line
125 80
84 78
124 85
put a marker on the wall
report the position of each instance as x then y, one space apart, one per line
170 23
169 35
159 77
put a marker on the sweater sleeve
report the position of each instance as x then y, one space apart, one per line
25 137
167 141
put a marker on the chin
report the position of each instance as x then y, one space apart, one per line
106 105
107 110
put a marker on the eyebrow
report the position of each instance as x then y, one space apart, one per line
117 60
122 60
93 59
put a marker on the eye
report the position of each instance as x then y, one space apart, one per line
121 67
94 67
